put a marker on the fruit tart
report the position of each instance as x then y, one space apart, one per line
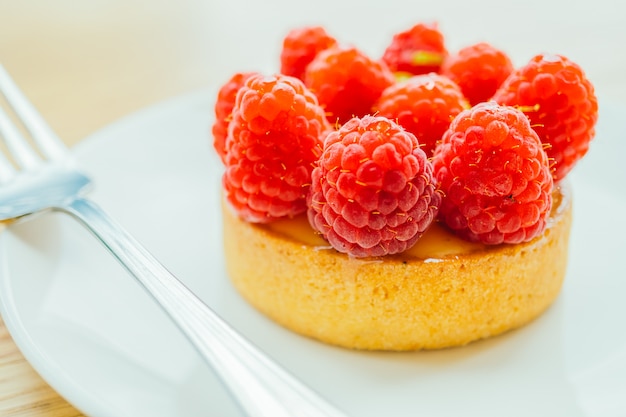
373 210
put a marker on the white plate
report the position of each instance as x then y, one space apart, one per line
99 340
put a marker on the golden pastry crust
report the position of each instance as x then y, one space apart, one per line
409 301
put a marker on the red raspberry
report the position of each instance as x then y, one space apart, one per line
561 104
419 50
223 109
273 140
479 70
495 175
372 192
300 46
424 105
347 82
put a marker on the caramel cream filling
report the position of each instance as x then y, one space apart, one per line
436 243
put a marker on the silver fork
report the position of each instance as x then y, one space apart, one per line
258 385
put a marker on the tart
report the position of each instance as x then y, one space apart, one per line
442 292
380 211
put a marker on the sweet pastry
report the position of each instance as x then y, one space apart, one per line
345 230
442 292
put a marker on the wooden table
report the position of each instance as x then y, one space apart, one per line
85 64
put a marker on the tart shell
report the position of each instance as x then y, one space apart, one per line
400 302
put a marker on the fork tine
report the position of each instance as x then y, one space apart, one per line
22 153
49 143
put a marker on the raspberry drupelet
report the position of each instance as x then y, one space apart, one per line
274 138
424 105
372 192
301 46
495 174
561 104
418 50
347 82
479 70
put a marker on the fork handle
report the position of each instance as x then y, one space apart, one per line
260 386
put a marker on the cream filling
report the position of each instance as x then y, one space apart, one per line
435 244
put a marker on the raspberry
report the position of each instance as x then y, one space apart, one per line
479 70
424 105
223 109
495 175
372 191
300 46
419 50
347 82
273 140
561 104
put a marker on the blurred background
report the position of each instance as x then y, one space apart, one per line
85 64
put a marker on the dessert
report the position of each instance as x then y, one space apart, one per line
342 228
442 292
